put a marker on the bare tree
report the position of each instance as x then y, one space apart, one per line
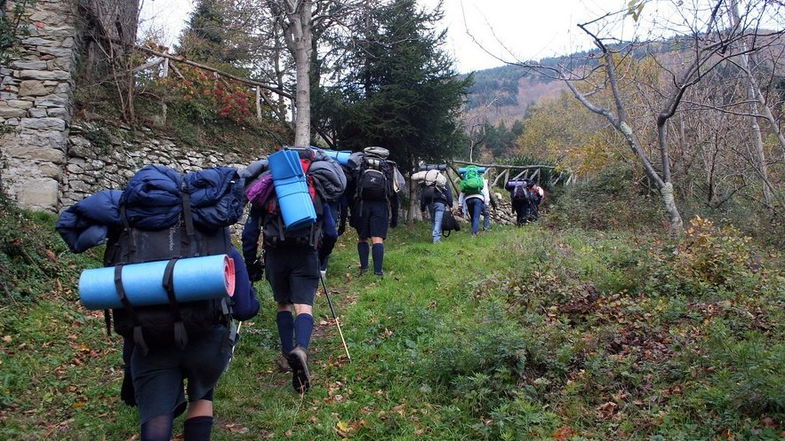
708 45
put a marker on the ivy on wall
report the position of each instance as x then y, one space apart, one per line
11 29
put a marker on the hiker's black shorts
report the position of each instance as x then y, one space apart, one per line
373 219
159 376
293 274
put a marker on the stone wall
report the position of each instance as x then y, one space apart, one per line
35 96
102 157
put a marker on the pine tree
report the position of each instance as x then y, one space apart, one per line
400 90
213 36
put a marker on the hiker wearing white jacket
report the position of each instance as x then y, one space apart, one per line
487 198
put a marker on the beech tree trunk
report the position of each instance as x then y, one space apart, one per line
299 36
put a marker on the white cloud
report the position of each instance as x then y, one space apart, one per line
516 29
523 29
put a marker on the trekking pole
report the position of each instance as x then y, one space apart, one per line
337 323
234 345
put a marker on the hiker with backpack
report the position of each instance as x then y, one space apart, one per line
291 259
436 197
377 183
164 217
525 197
471 198
537 194
489 200
335 222
520 199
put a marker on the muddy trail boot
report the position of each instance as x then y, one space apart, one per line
283 364
301 377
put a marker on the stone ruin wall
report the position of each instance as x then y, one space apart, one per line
92 166
48 161
36 91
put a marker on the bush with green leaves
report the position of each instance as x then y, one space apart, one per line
31 256
611 201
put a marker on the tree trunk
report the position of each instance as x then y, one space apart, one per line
752 88
299 40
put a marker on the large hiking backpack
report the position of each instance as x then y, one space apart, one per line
160 326
374 174
275 232
472 182
433 186
520 193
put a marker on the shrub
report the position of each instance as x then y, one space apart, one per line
708 260
612 201
30 256
748 373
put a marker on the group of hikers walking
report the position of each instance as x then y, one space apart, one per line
300 201
474 199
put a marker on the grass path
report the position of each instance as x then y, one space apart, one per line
378 395
518 334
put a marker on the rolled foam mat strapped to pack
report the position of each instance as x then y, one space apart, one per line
194 278
342 156
291 188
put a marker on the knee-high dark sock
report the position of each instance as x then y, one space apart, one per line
198 428
378 257
363 249
157 428
303 328
285 323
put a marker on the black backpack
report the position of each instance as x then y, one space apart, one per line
277 235
449 223
159 326
520 193
373 179
432 193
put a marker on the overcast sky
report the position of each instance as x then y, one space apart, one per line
530 29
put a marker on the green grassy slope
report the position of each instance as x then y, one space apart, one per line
521 333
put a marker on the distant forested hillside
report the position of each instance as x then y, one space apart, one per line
502 94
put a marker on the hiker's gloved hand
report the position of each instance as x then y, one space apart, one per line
255 270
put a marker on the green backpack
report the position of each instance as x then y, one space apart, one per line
472 181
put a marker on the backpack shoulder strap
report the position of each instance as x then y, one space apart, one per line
180 335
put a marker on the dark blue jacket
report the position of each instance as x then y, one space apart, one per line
246 305
87 223
153 197
153 201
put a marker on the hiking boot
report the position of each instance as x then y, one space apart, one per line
283 364
301 377
362 271
379 275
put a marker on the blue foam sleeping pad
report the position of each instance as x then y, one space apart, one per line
291 189
195 278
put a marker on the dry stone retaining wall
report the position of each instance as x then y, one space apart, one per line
35 96
46 162
115 153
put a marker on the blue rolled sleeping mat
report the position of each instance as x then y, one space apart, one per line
480 170
291 188
194 278
342 156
